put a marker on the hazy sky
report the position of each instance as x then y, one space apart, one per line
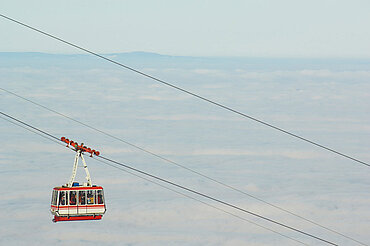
286 28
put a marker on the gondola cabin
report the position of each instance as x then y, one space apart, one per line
77 203
74 201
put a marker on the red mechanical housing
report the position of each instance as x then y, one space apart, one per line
80 147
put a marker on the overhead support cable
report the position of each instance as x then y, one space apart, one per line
184 167
31 129
227 204
191 93
200 201
158 184
217 200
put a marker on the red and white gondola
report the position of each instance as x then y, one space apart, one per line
75 201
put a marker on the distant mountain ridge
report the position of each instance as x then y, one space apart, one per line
142 59
126 54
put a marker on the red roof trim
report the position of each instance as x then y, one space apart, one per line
79 188
79 206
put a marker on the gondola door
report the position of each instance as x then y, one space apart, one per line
72 206
81 202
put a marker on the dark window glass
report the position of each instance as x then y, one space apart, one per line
62 198
90 196
99 197
81 197
72 198
55 197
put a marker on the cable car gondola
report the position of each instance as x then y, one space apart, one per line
75 201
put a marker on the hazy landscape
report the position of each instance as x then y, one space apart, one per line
325 100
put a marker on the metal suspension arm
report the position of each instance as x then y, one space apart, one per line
74 170
88 178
